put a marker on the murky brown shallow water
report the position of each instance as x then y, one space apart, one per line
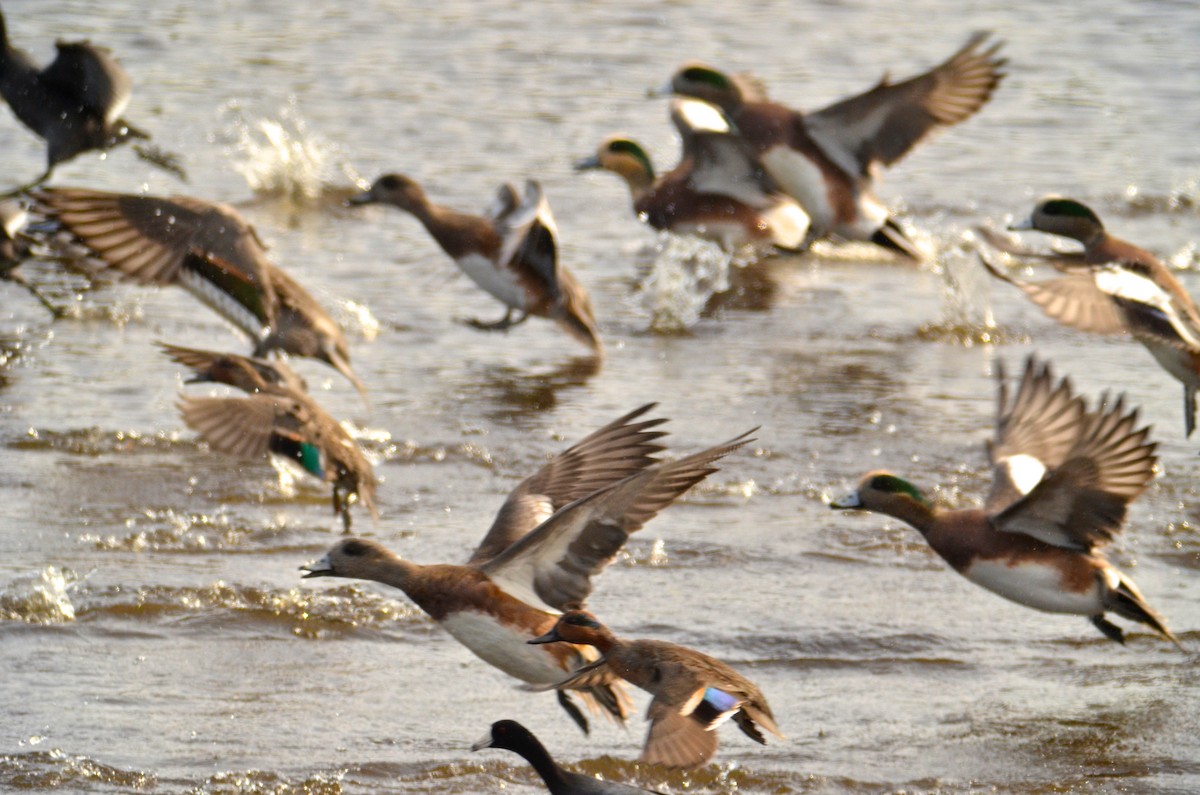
154 633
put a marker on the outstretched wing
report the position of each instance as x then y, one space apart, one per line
1081 503
1035 432
1073 300
883 124
553 566
622 447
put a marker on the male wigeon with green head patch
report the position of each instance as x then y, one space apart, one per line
1063 478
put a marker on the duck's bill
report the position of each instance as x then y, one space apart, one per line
483 742
549 637
587 163
361 198
1024 225
318 568
845 502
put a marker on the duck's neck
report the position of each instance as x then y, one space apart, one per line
603 639
457 233
919 514
639 180
536 755
395 571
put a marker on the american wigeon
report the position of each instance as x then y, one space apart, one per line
693 693
512 253
716 192
1113 287
1063 477
277 417
828 159
211 251
15 249
74 104
556 531
512 736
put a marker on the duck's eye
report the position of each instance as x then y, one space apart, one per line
354 548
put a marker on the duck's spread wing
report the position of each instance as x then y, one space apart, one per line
554 564
1035 432
622 447
150 238
1151 310
1082 503
92 74
1074 300
528 234
238 426
883 124
677 740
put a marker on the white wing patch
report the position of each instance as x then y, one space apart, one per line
1024 471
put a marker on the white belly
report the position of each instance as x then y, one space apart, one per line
1036 586
504 647
501 284
801 179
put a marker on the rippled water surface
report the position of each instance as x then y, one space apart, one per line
154 633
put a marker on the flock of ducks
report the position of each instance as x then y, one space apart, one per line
752 172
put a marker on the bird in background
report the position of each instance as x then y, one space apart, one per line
74 103
1111 287
715 192
1063 477
15 248
828 160
276 417
511 252
693 692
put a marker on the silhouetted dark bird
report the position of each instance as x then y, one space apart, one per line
75 103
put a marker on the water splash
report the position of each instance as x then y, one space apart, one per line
281 157
41 599
683 275
967 318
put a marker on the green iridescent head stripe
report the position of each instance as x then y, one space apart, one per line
706 75
624 146
890 484
1069 208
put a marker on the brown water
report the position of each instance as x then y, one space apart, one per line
154 633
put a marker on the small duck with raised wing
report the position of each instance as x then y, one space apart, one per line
1112 287
693 693
277 417
555 532
827 160
511 252
1063 477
